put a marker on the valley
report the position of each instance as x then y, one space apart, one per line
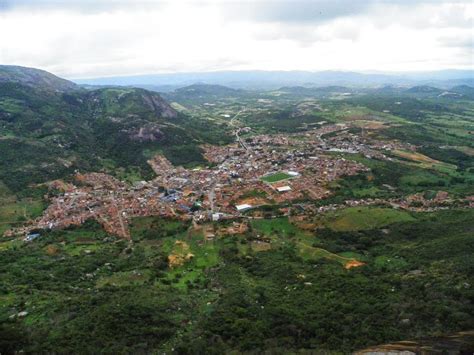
233 220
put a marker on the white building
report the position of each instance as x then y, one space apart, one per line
283 188
243 207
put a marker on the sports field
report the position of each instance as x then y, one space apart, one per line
276 177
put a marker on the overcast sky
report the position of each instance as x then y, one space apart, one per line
94 38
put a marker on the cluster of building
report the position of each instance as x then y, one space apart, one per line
260 170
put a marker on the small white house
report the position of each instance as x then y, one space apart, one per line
243 207
216 216
30 237
283 188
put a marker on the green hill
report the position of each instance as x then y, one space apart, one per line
34 78
49 127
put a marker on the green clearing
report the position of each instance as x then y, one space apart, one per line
282 232
280 176
280 226
308 252
155 228
363 218
80 249
254 193
367 192
15 212
423 161
125 278
390 263
205 255
162 237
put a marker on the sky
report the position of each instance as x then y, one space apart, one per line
100 38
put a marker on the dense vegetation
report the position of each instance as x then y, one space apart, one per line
47 135
83 290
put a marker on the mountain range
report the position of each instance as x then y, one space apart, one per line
276 79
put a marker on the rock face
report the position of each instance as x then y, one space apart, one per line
148 133
459 343
158 105
129 103
35 78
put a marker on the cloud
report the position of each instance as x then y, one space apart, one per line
78 6
464 40
298 11
308 22
106 37
320 11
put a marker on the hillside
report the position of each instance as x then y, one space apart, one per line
50 127
465 90
203 94
34 78
424 89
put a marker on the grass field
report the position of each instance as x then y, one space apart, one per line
423 160
309 252
276 177
275 225
282 232
192 270
14 213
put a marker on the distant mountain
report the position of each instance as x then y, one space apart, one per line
418 91
277 79
315 91
448 74
245 79
207 89
35 78
460 91
202 93
465 90
424 89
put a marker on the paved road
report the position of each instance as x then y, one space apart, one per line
237 131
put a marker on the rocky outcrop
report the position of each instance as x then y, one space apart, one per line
147 133
158 105
459 343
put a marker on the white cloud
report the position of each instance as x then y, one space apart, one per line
122 37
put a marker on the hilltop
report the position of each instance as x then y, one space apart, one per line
35 78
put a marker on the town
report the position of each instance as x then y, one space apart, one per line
282 170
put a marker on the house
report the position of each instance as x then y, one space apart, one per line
283 188
243 207
30 237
